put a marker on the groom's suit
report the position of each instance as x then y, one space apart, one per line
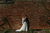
26 20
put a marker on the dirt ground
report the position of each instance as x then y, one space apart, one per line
37 31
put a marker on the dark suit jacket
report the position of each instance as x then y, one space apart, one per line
27 21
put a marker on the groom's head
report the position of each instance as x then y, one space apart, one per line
25 16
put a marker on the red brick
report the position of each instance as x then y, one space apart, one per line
34 11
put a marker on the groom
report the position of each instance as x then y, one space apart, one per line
27 21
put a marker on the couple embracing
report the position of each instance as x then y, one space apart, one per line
25 22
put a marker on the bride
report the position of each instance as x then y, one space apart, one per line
24 26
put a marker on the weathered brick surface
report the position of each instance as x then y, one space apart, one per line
36 13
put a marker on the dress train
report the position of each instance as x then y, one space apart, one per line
24 26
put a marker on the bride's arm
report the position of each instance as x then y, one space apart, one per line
22 20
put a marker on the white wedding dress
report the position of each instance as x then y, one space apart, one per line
24 26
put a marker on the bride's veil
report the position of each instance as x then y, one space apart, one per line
22 19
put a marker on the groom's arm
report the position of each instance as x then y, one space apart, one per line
25 20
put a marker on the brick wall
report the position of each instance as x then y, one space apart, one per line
36 13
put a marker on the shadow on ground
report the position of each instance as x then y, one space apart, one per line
37 29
